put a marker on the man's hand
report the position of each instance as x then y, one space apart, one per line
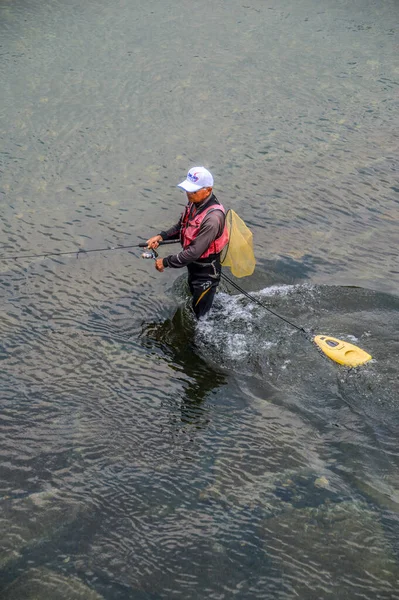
154 242
159 265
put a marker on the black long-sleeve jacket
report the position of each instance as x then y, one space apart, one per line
211 228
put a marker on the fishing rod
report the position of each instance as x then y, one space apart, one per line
151 254
80 251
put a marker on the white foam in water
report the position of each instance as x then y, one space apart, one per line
277 290
219 328
284 290
268 345
237 346
230 311
353 338
234 307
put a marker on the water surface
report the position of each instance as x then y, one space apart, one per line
145 457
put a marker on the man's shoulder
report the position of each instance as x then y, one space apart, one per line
215 208
215 212
214 219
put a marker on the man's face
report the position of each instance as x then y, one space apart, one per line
199 196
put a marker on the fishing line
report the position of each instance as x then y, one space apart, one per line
80 251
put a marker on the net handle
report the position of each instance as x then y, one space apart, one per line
228 222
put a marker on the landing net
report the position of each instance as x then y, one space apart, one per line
239 252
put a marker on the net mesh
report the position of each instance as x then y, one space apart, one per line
239 252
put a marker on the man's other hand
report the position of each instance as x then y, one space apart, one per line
159 265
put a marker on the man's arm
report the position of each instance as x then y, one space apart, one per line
173 233
211 228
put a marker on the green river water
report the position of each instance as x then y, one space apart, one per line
143 456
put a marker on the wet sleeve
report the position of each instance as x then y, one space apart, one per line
211 228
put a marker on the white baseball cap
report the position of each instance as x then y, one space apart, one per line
197 178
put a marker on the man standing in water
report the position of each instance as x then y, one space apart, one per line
203 234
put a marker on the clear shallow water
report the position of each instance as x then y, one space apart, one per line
142 457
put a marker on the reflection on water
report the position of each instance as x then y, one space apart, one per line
175 338
144 456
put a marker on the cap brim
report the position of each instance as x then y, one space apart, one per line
188 186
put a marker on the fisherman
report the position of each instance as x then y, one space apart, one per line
203 234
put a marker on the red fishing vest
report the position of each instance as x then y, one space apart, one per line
190 229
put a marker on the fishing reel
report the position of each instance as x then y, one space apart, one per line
150 253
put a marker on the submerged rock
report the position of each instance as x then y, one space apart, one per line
30 520
334 549
275 461
42 584
322 482
273 492
383 492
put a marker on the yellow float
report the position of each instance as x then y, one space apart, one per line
341 352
